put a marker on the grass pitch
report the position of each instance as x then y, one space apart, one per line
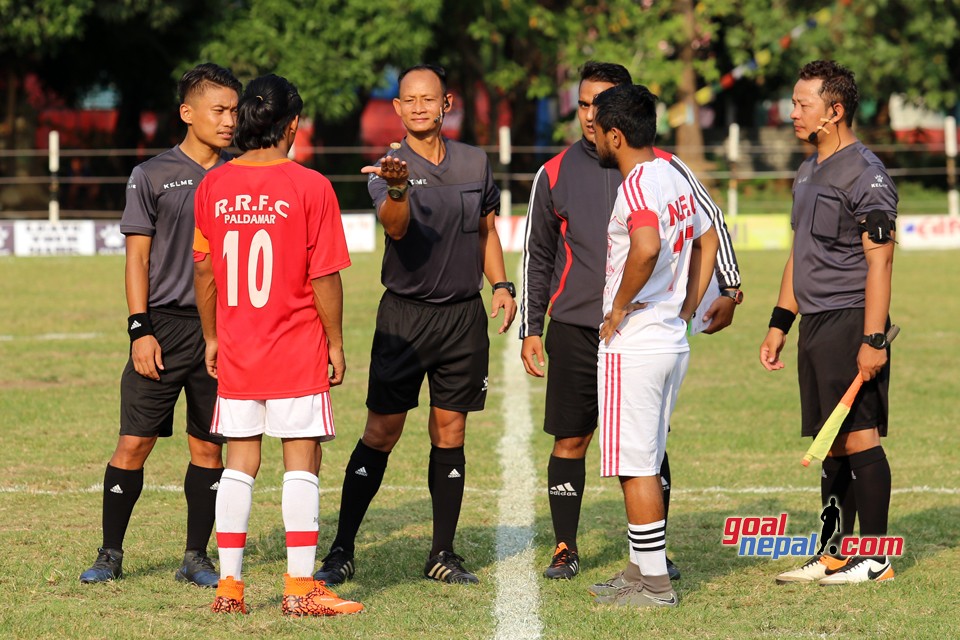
734 450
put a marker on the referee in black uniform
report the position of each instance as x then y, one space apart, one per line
436 200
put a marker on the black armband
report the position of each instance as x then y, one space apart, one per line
138 325
878 226
782 319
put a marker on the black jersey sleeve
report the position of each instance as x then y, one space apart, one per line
541 239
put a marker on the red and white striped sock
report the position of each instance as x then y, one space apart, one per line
234 499
301 516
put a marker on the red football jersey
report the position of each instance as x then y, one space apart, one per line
270 228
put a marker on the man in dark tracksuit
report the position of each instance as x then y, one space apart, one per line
565 252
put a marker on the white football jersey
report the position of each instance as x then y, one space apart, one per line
653 194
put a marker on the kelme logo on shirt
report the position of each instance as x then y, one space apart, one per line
178 183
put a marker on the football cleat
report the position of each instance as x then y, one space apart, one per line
108 566
860 569
634 595
309 597
447 566
565 564
229 598
672 570
337 567
814 569
197 568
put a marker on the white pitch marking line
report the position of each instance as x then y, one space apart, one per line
704 492
51 336
517 605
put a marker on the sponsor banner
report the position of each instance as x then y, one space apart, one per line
928 232
511 230
361 232
748 231
89 237
108 239
6 238
41 238
760 231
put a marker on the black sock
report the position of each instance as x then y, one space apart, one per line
665 482
361 481
445 479
200 486
121 489
835 481
566 478
871 481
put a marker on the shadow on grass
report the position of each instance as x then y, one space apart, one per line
395 539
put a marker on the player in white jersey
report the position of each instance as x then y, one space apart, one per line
660 255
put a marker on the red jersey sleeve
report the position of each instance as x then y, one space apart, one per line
326 244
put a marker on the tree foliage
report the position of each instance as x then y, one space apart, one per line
335 51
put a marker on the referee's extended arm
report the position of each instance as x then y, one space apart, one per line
394 213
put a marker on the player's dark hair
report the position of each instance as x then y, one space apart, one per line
267 107
632 109
202 76
839 85
605 72
435 69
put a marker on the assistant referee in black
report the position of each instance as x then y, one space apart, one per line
437 202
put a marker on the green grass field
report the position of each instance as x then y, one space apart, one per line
734 449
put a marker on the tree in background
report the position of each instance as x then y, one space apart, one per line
335 51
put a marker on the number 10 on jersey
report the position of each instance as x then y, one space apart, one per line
260 253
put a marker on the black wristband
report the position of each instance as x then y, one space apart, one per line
782 319
138 325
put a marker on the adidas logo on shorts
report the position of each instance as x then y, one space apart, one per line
565 489
454 474
362 471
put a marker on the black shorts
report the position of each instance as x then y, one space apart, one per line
571 404
446 342
827 363
147 406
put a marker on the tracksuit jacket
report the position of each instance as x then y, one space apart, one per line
565 242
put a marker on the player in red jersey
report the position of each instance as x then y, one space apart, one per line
269 248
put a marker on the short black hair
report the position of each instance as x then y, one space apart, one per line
436 69
197 79
267 107
839 85
605 72
632 109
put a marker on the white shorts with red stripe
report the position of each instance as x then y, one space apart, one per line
636 393
303 417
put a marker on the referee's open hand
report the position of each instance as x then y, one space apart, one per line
393 170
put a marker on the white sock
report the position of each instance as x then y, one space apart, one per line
234 499
301 516
648 544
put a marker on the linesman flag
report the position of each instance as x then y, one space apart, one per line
828 432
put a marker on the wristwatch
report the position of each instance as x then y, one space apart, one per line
508 286
733 293
876 340
396 192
